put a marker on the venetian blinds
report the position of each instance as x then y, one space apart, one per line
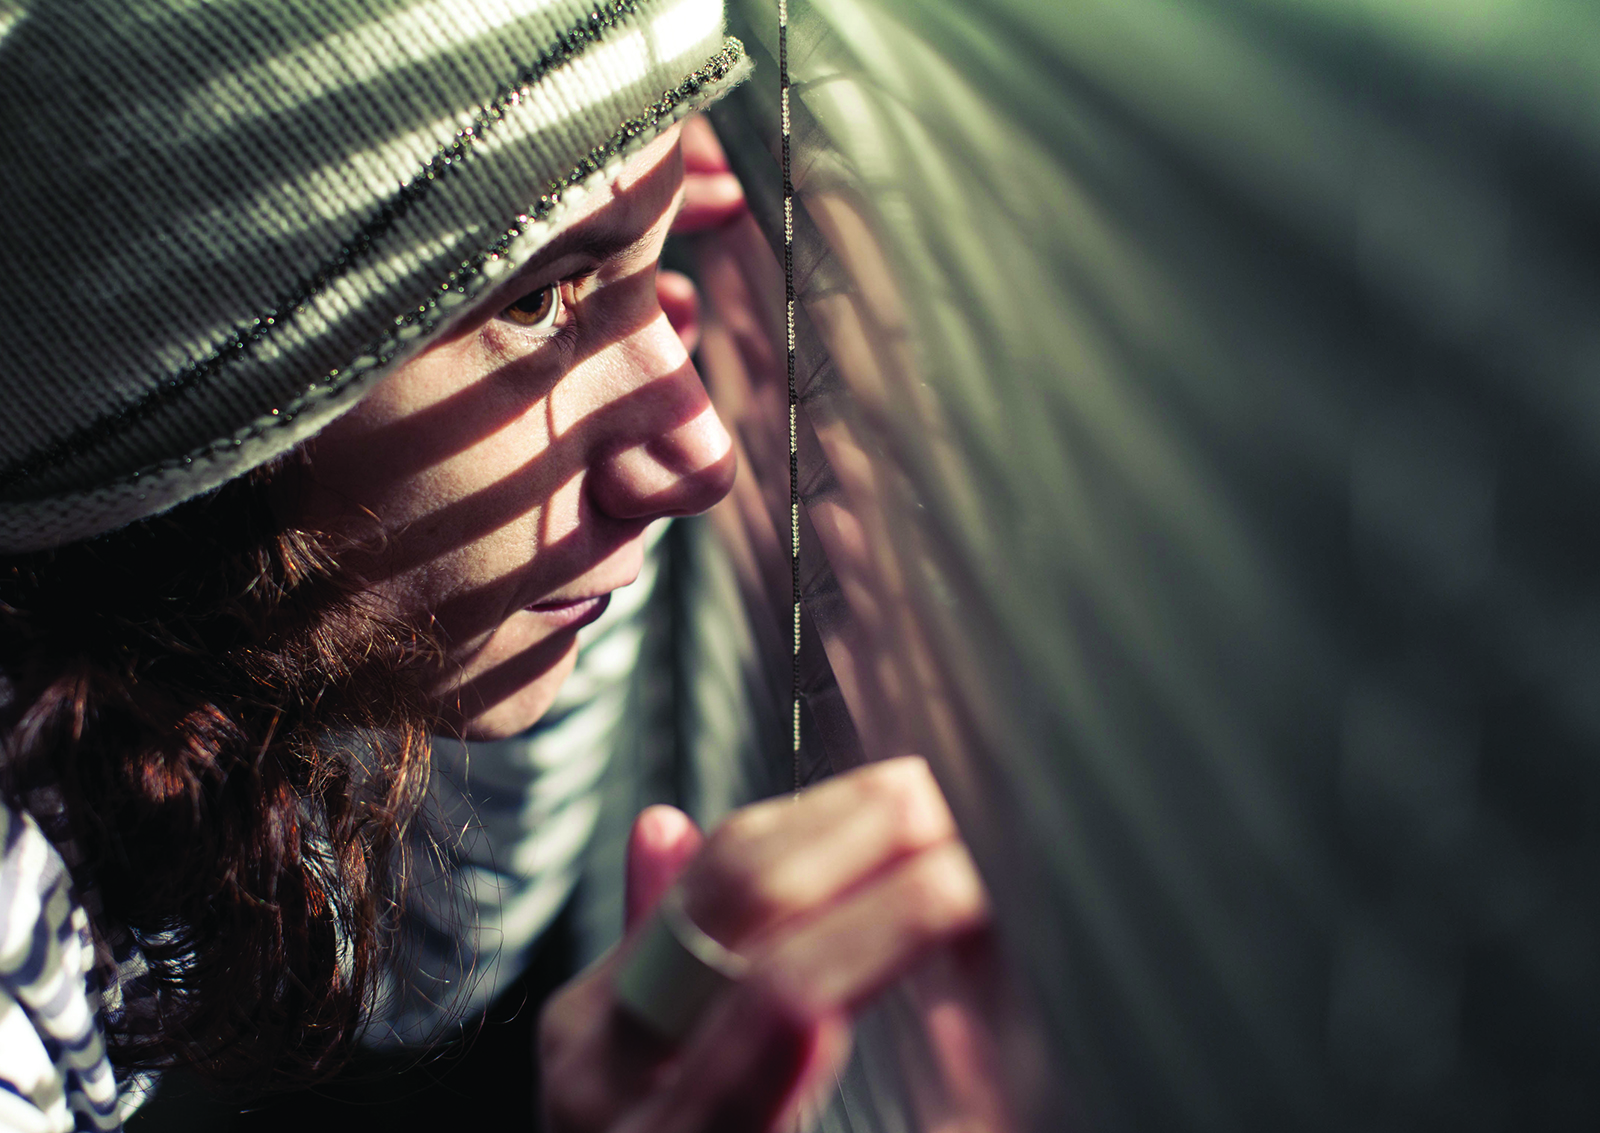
1199 461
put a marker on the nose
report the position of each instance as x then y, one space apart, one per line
665 451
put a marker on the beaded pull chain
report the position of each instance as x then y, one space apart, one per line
794 398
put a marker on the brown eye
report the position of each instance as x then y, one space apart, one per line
537 310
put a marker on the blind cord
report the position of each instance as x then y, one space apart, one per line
794 397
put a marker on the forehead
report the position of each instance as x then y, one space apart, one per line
624 210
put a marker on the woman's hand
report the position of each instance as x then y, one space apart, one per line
829 896
712 197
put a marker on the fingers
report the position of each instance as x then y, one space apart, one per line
736 1078
710 200
680 302
782 857
712 195
829 897
662 842
784 1029
863 942
595 1062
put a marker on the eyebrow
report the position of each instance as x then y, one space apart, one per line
588 241
591 245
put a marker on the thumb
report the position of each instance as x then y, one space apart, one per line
661 844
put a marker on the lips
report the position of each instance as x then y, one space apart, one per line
571 612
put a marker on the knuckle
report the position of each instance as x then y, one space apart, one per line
910 798
942 891
730 901
773 893
730 886
925 890
723 866
722 888
745 827
728 846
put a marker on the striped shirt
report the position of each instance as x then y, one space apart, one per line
54 1074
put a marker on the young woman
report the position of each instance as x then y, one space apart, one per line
339 394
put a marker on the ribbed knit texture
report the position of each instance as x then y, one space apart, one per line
223 222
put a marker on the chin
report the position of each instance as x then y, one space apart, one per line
507 711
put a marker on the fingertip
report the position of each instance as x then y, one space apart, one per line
662 841
710 200
680 302
660 828
702 151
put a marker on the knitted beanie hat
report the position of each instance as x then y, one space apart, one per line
222 221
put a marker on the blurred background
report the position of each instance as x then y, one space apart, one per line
1200 464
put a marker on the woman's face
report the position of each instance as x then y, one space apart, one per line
514 466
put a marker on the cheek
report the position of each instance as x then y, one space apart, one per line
508 682
435 431
455 479
452 526
467 591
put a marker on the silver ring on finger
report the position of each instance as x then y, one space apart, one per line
674 971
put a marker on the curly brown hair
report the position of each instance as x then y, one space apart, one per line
228 745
